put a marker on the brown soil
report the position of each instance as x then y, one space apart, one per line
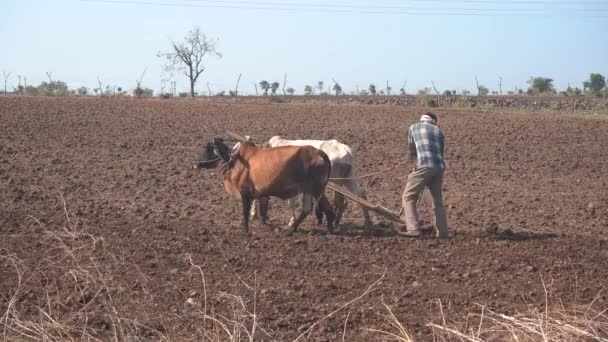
526 196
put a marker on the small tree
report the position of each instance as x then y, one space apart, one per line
540 85
424 91
337 88
388 88
53 88
265 86
372 89
308 90
274 87
320 86
482 90
189 55
5 75
83 91
290 91
448 93
595 84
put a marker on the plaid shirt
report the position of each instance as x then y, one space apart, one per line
425 145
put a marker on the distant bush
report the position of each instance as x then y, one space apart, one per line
143 92
166 95
424 91
53 88
540 85
183 94
83 91
30 90
431 102
221 93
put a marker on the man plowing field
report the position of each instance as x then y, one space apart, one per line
425 146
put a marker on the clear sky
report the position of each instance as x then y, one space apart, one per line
355 42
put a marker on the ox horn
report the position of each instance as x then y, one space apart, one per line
237 137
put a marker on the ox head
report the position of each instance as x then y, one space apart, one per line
213 154
207 158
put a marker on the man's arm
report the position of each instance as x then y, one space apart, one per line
411 146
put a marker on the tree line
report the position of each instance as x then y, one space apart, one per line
189 57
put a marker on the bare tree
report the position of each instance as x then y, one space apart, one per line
256 89
208 89
139 91
236 89
500 85
5 75
337 87
100 85
189 55
284 82
388 88
435 89
49 74
19 86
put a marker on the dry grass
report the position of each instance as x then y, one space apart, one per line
555 323
84 297
76 293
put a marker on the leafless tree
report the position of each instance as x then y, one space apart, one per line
256 89
477 83
284 82
435 89
139 91
49 75
500 85
100 86
236 89
20 87
208 88
189 55
5 75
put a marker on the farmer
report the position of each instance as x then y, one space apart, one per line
425 146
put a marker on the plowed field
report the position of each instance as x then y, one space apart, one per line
114 233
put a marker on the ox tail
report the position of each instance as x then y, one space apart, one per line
328 163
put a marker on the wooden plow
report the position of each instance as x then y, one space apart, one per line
378 209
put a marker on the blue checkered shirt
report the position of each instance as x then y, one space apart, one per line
425 145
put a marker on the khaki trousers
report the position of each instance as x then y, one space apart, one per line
419 179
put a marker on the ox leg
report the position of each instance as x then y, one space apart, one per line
263 203
319 213
246 199
354 187
329 212
340 206
306 209
255 209
292 204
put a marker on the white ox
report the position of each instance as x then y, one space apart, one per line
342 173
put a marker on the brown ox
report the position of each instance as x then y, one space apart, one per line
251 173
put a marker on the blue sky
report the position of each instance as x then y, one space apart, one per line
78 41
